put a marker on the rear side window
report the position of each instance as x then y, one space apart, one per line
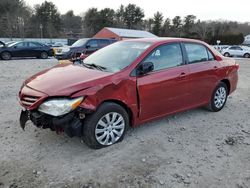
235 48
196 53
103 43
166 56
34 44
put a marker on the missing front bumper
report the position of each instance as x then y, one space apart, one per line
24 117
69 123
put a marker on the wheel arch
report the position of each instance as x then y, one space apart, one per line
227 82
123 105
6 51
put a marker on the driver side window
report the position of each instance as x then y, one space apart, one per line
166 56
21 45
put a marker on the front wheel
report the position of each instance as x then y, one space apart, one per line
6 55
226 54
219 98
106 126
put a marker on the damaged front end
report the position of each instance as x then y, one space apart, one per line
70 123
60 114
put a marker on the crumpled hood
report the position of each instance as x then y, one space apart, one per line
64 80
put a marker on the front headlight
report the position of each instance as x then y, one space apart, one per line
58 107
65 50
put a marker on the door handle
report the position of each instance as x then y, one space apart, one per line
183 74
215 67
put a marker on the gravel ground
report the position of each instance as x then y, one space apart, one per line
196 148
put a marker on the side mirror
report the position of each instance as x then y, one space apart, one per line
145 68
88 46
15 47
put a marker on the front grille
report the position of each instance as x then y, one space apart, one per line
29 100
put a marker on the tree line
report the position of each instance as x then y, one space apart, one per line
45 21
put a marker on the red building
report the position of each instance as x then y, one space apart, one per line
123 34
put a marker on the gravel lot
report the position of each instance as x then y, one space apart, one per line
196 148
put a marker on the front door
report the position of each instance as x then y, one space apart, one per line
165 89
91 47
20 50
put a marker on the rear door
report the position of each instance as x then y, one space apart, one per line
239 51
202 73
165 89
34 49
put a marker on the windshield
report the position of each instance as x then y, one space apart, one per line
1 44
79 43
117 56
10 44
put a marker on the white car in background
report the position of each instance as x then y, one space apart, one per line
219 48
239 51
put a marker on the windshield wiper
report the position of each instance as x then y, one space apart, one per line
99 67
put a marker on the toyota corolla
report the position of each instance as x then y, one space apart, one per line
126 84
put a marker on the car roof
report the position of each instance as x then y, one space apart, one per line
97 38
165 39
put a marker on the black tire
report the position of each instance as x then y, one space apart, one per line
91 124
226 54
44 55
6 55
247 55
213 106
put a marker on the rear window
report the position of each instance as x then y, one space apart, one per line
197 53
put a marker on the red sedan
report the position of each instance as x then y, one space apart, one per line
126 84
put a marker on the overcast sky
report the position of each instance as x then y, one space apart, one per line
205 10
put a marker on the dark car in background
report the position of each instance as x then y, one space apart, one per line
84 46
25 49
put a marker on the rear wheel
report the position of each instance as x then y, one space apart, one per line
219 97
226 54
247 55
106 126
6 55
44 55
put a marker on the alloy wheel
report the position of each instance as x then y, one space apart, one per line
44 55
109 128
6 56
220 97
246 55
